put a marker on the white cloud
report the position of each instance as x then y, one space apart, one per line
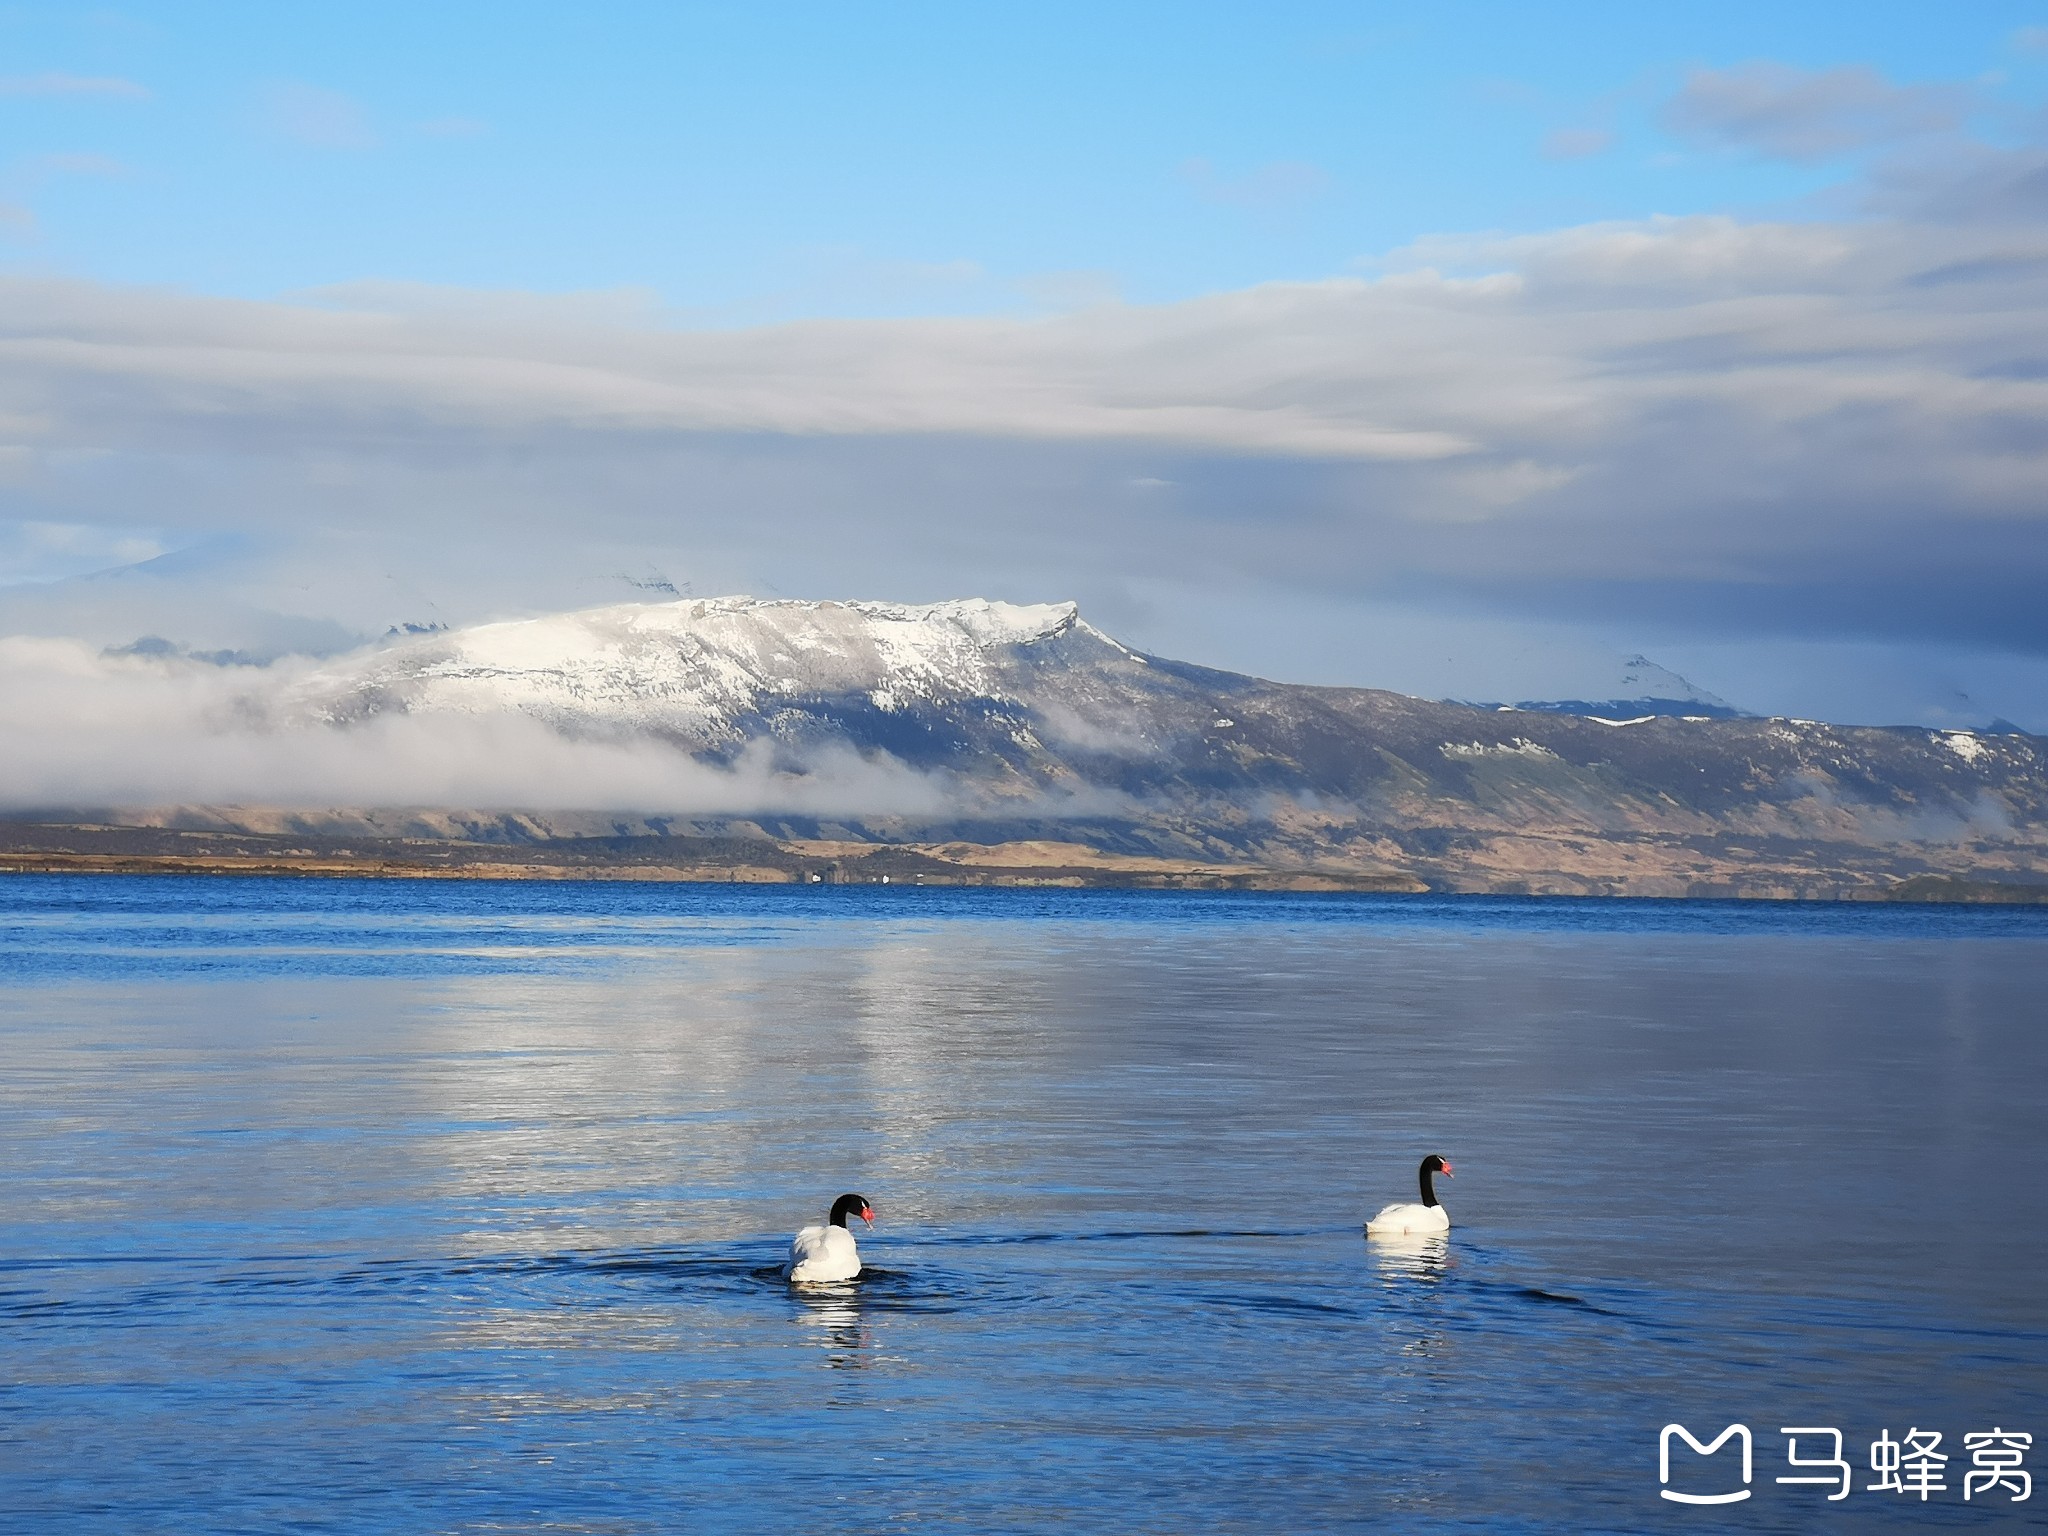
1795 114
494 309
1549 363
90 729
1088 378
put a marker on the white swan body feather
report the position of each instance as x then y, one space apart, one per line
822 1254
1422 1218
1397 1220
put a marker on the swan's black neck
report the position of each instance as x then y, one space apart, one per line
1428 1185
845 1206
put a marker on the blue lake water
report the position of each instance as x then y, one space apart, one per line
423 1206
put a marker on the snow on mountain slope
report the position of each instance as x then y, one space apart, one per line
1641 689
1008 702
699 672
1014 721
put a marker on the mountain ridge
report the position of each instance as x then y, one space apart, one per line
1022 723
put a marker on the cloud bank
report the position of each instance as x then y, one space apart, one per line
88 729
1803 419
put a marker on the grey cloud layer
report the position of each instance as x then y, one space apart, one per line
1558 356
1831 430
1220 374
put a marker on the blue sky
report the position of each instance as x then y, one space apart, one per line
745 164
1464 349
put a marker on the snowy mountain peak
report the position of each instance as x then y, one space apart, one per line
809 624
1642 678
1641 689
692 670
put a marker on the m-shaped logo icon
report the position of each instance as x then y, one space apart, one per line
1737 1431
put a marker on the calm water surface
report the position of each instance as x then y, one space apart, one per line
408 1207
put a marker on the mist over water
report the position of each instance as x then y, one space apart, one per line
408 1206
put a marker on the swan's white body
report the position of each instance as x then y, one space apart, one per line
1424 1218
822 1254
1409 1219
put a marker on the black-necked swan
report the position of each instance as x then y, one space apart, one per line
818 1254
1426 1217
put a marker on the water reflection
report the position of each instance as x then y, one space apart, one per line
831 1318
1408 1257
1411 1266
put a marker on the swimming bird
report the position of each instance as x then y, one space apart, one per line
1426 1217
828 1253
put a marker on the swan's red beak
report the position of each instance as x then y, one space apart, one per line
1447 1172
867 1214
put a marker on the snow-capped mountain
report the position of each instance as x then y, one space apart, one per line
707 675
1026 721
1642 688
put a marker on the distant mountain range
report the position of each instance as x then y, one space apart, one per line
1644 689
1034 728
